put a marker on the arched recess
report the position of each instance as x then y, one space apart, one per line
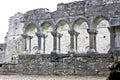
30 31
82 36
101 24
64 43
46 39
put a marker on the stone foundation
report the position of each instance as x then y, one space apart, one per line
78 64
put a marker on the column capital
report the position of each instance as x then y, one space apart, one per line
54 33
71 32
30 37
92 31
38 34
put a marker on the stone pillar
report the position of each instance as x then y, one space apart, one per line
59 40
92 39
39 35
76 41
25 38
44 42
54 34
54 56
72 34
30 37
112 39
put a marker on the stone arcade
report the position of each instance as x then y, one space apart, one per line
79 38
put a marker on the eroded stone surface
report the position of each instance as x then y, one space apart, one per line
54 42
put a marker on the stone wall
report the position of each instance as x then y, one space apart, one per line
80 26
67 33
78 64
2 52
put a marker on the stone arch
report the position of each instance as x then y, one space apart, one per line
45 26
30 31
101 24
61 22
62 28
80 26
98 19
30 28
47 39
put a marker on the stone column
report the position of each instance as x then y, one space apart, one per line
112 39
59 40
54 34
92 40
72 34
25 36
44 42
76 41
30 37
39 35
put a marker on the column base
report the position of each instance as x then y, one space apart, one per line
91 51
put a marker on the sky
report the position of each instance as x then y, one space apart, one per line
10 7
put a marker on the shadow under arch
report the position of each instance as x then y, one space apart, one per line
101 24
80 27
63 40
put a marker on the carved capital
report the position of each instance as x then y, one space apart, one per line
30 37
92 31
54 33
71 32
38 34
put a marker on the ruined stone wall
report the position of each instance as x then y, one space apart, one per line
14 40
80 64
90 12
90 27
